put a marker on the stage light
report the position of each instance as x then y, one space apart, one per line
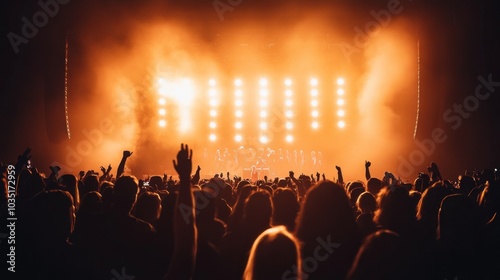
162 90
161 81
314 82
263 114
263 82
314 103
289 138
162 112
288 92
314 92
341 124
238 103
237 82
315 125
213 113
212 137
288 102
162 123
289 125
238 138
314 114
340 102
288 82
212 92
213 102
263 92
340 91
238 125
162 101
340 81
289 114
238 93
263 103
263 139
212 82
213 124
340 113
263 125
238 113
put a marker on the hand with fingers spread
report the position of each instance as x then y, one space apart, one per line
184 164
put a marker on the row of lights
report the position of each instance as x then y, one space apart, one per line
162 101
213 103
314 103
340 103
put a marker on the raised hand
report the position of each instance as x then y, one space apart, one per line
324 177
317 176
338 168
367 170
367 164
127 154
184 164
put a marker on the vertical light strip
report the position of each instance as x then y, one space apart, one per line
66 113
418 90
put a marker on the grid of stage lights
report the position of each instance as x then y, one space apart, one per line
288 110
176 92
263 104
314 103
340 103
213 104
238 111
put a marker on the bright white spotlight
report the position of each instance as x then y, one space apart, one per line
213 113
212 137
289 138
263 92
288 82
340 81
263 139
315 125
340 102
213 102
162 112
162 101
315 113
212 82
238 138
161 81
340 113
238 125
238 102
340 91
314 92
289 114
341 124
212 92
263 125
162 123
289 125
238 113
237 82
263 114
263 82
314 103
212 124
288 92
314 82
263 103
238 93
288 102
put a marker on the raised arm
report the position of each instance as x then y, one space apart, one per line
339 174
185 232
121 166
367 170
